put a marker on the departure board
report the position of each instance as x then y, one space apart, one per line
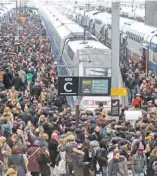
95 86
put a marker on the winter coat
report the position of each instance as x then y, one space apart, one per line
121 165
68 148
22 75
6 154
109 136
7 80
102 156
77 162
80 136
52 146
18 160
9 117
53 93
29 77
36 91
33 166
25 117
17 82
98 136
139 163
150 170
43 161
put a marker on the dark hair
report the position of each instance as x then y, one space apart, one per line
103 143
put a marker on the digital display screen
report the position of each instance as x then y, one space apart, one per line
95 86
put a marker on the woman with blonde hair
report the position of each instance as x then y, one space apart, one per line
8 116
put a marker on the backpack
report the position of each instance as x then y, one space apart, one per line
102 155
94 148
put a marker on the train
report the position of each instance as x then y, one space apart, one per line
136 14
78 52
138 40
5 11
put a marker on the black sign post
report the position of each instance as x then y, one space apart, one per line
68 86
115 107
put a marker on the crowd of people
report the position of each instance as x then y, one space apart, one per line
141 85
38 131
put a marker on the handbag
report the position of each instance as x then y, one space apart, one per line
62 167
62 164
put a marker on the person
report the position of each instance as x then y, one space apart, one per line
137 101
68 148
43 159
17 159
7 79
11 172
8 115
53 147
98 135
78 160
36 90
118 165
102 156
5 152
139 163
152 159
80 136
17 82
32 153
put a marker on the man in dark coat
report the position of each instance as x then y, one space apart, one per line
80 135
25 116
118 165
17 82
36 90
7 79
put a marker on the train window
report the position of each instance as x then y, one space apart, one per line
109 26
134 37
98 21
155 57
131 36
70 53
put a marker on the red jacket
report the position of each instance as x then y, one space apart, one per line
135 101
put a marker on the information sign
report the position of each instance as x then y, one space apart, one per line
115 106
95 86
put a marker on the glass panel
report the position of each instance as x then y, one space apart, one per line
155 57
97 72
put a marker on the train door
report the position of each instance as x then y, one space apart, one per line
101 37
92 30
90 24
145 58
123 44
106 34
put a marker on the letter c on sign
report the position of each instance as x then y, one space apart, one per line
65 87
